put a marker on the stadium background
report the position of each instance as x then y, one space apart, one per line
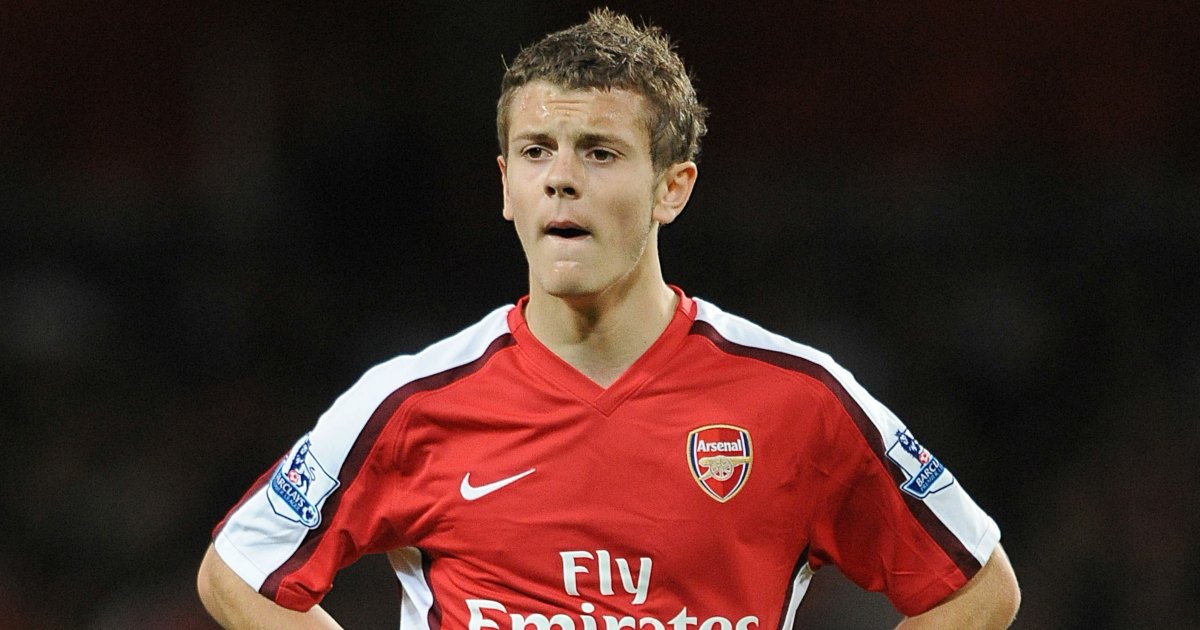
215 216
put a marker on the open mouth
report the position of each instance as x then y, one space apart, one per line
564 230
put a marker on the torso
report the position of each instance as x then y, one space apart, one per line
626 514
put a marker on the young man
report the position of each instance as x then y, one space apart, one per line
607 453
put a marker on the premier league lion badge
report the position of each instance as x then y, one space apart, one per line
300 485
925 474
719 456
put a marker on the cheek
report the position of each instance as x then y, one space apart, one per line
526 229
637 207
516 203
520 225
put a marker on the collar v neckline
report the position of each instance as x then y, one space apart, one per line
570 379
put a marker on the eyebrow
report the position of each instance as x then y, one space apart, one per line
583 139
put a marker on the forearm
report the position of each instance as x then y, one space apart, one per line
989 601
234 605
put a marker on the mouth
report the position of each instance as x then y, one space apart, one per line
567 230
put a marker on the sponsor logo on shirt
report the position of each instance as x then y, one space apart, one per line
598 575
925 473
300 485
719 456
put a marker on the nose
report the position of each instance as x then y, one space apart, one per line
564 178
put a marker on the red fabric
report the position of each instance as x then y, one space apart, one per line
612 485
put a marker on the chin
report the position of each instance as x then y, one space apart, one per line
569 288
567 292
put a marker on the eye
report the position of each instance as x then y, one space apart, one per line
535 152
603 155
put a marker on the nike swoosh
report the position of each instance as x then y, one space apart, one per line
471 493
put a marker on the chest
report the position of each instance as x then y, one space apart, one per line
545 496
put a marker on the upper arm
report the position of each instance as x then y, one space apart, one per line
234 604
897 521
990 599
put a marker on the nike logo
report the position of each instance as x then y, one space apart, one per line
471 493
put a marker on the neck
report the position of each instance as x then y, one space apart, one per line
602 335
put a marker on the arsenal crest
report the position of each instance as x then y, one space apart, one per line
719 457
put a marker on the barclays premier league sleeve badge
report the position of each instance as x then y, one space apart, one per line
925 473
300 485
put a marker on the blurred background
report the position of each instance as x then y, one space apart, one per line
215 216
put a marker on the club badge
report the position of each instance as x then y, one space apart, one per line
719 456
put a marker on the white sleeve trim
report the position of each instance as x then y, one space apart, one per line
239 562
261 535
948 501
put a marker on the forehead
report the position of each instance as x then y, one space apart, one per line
543 107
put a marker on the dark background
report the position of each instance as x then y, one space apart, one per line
214 217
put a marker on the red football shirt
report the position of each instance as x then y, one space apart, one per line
701 490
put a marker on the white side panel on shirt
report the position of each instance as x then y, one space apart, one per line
418 597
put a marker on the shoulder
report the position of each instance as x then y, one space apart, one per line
474 344
738 336
442 363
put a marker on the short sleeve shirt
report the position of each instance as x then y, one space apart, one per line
701 489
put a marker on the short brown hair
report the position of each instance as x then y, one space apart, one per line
608 52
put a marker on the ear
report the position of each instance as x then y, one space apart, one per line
507 211
673 191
